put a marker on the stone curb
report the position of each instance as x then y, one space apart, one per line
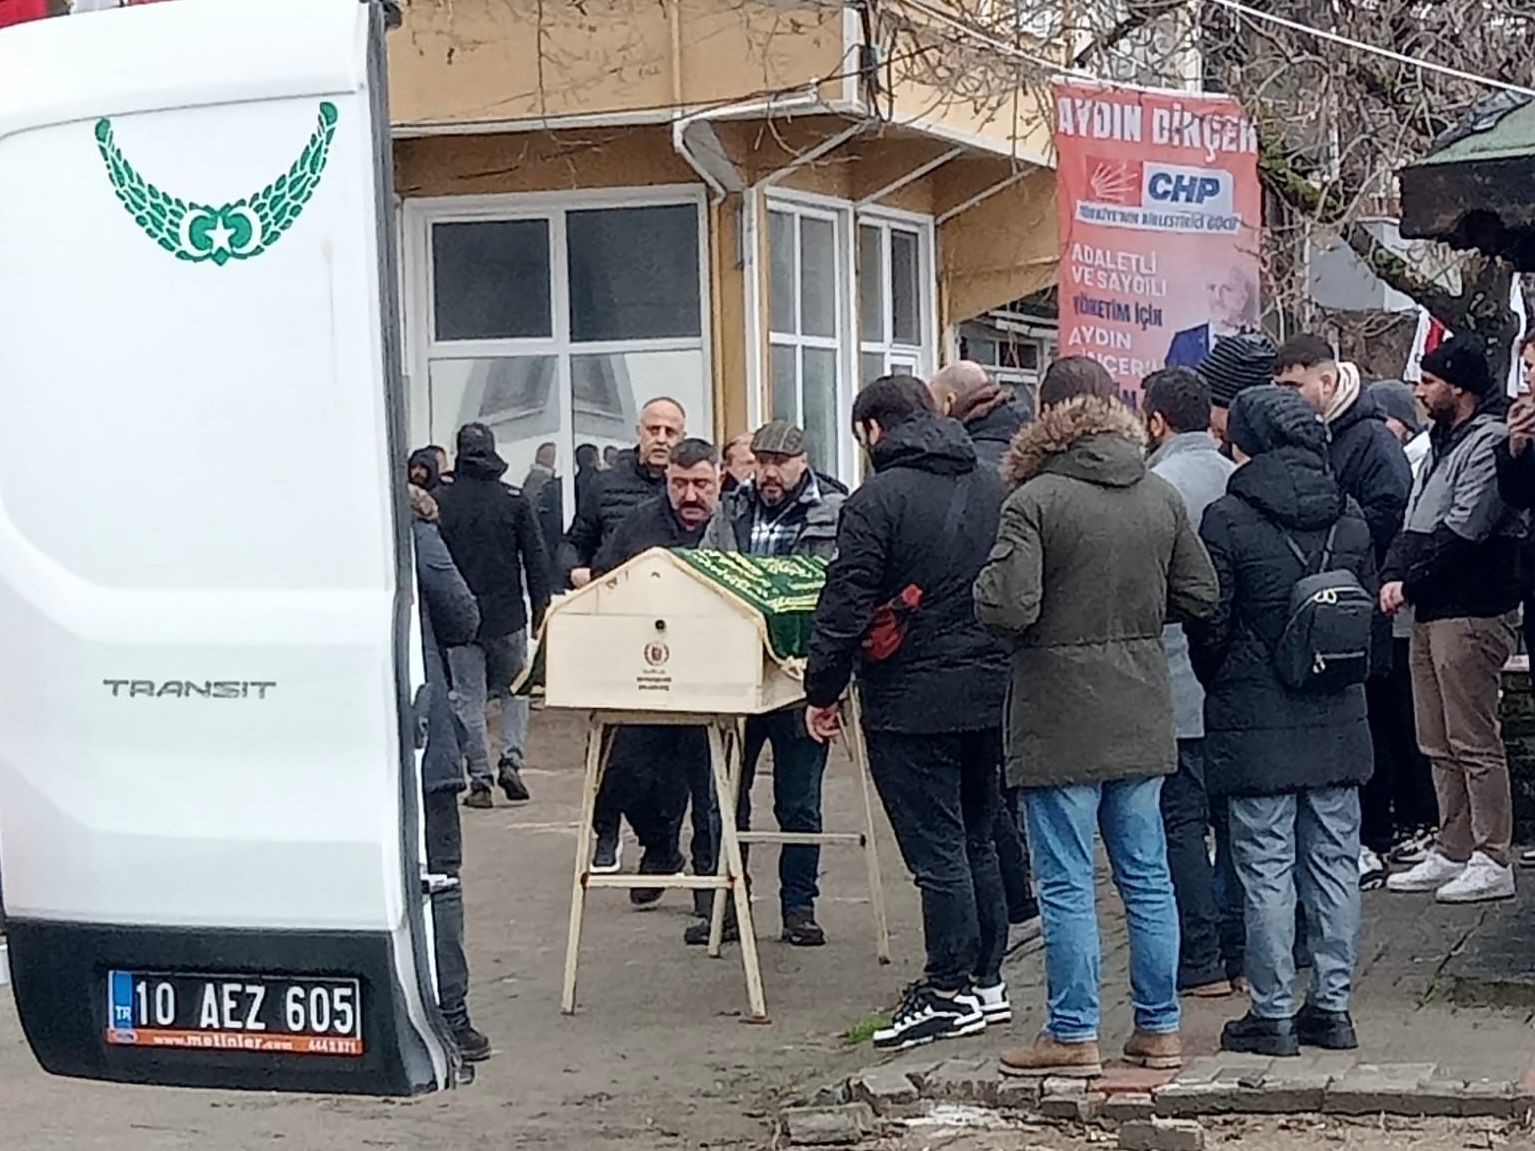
1326 1084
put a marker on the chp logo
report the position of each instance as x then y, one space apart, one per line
1148 184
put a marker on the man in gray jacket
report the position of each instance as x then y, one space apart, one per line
1177 407
787 509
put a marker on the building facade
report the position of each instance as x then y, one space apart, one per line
752 206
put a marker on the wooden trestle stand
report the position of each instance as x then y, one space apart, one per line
655 643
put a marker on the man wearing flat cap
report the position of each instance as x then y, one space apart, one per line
1456 563
787 508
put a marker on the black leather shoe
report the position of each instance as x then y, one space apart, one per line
510 779
1254 1036
697 932
1333 1030
801 930
472 1046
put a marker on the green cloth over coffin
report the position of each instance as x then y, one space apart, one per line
782 589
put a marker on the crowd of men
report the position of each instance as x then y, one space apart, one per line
1251 635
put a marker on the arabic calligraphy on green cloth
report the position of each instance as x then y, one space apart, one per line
783 589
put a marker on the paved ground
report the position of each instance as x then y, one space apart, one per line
658 1057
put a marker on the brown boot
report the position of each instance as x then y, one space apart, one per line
1049 1056
1157 1052
1220 989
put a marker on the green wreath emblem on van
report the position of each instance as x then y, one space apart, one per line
242 230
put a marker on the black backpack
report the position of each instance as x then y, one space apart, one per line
1325 645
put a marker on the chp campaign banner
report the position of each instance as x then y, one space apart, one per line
1160 221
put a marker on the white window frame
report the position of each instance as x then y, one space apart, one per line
839 215
919 359
422 347
848 341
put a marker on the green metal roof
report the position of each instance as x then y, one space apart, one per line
1511 135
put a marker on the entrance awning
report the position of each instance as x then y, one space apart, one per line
1476 187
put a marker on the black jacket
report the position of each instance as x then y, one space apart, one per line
949 674
609 498
1372 468
1261 738
651 525
449 618
495 541
992 434
1516 476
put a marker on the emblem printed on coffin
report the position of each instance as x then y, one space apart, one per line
656 654
242 230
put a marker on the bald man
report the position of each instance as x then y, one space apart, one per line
637 475
964 391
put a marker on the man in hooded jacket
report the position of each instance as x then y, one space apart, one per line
931 699
1094 557
496 543
1372 469
449 618
1290 762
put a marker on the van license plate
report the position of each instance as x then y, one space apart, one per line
260 1013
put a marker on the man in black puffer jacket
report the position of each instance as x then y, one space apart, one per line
1291 762
932 710
1372 469
636 477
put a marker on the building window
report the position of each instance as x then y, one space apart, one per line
556 319
806 323
894 297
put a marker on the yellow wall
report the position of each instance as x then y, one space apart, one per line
538 161
495 61
1001 250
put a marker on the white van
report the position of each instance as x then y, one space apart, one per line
209 841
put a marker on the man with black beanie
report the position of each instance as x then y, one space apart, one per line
1456 562
1235 364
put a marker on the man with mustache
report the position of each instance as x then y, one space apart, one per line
786 508
654 769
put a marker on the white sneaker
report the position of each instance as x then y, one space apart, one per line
1430 875
1372 872
994 1003
1483 879
1414 849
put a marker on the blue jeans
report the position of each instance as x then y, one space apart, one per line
799 765
1300 846
482 671
1062 821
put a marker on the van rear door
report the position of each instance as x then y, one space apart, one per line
209 800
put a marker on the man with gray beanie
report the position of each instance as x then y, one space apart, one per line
1235 364
1456 563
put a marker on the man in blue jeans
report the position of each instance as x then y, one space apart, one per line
1093 558
785 509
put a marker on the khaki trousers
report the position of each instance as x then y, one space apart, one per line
1457 667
